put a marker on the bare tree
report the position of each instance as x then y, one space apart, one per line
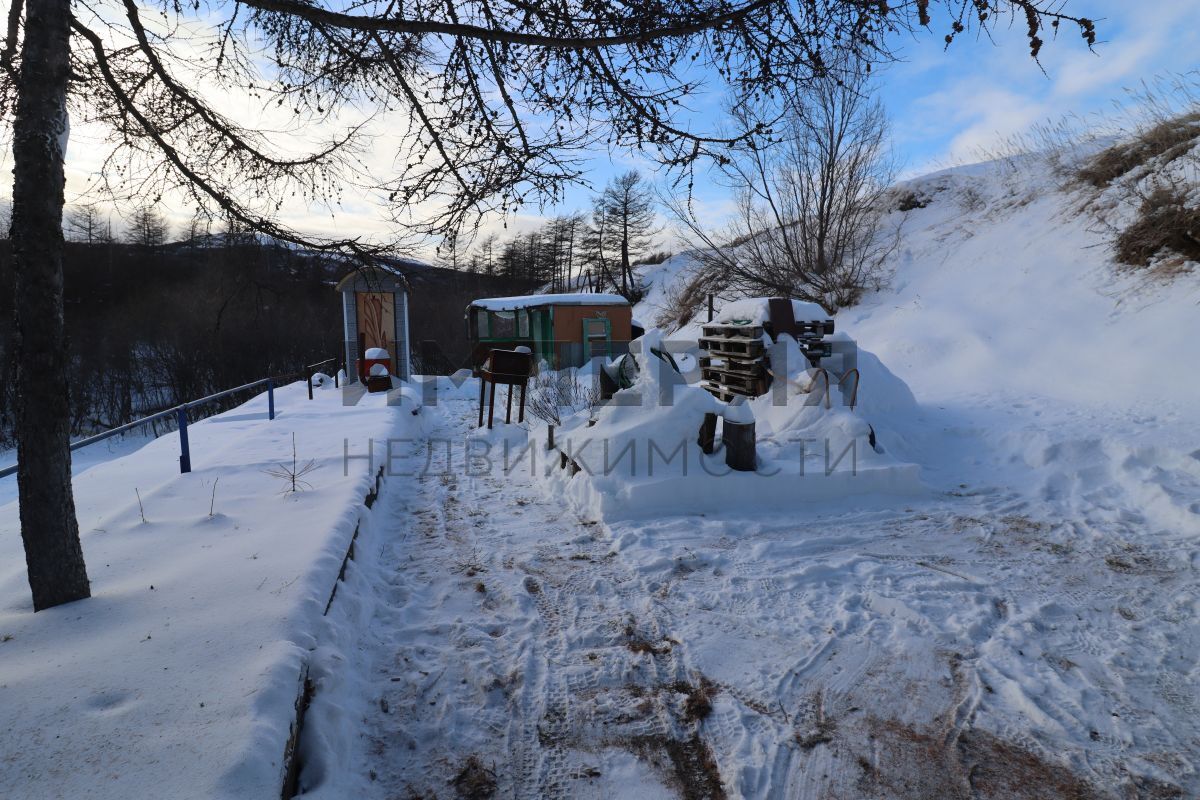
624 222
597 251
496 101
808 210
198 228
86 223
570 230
487 254
147 227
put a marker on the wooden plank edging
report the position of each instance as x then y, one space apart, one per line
291 759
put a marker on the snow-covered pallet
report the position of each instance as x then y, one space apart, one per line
752 385
726 331
734 361
723 392
752 368
733 346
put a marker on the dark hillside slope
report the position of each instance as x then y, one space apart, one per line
149 328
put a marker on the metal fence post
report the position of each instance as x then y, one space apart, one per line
270 399
185 453
308 377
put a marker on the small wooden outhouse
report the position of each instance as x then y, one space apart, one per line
566 330
375 315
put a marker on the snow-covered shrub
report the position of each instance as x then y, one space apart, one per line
1168 138
1165 223
685 300
553 395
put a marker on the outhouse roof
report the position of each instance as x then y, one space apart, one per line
372 273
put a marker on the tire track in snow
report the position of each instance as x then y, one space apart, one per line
589 675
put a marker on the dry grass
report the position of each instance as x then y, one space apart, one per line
684 303
1169 138
692 762
699 698
638 642
911 201
821 733
913 763
475 781
1165 224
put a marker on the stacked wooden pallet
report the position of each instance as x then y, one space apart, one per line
734 362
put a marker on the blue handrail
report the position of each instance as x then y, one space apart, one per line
180 413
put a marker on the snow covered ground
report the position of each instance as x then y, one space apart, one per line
1025 629
179 677
1022 627
977 643
82 459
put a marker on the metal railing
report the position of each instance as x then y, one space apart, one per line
311 369
180 413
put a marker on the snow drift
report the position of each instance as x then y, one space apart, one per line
638 454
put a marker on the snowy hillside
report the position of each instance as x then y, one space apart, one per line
1006 307
998 602
1002 280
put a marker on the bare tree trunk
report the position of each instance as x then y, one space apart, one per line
49 529
625 270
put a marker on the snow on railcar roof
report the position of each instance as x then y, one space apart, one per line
531 300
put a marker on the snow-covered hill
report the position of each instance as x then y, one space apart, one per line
1008 316
1058 392
1005 282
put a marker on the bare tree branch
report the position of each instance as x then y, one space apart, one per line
684 25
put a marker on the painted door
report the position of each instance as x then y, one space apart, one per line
377 319
543 337
597 338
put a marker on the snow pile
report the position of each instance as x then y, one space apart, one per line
532 300
809 410
756 310
179 677
639 453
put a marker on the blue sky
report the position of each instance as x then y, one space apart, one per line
951 106
946 105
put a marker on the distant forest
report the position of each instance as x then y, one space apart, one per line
151 325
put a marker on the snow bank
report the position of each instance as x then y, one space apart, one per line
179 677
531 300
638 455
756 310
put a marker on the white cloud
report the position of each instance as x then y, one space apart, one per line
980 97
